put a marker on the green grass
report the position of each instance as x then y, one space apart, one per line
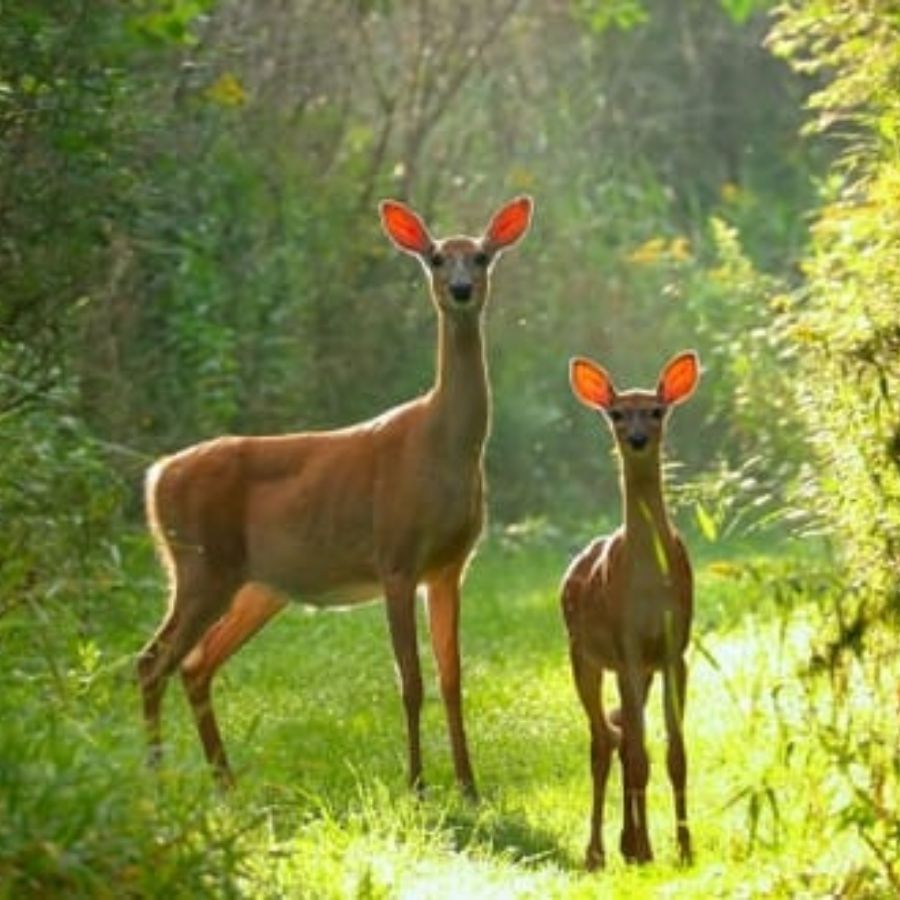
313 722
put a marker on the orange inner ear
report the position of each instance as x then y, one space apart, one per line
591 384
405 227
679 378
510 223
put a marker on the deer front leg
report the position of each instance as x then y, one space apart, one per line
443 615
400 599
676 760
635 840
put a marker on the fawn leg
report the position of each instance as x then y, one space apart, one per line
635 840
588 681
675 685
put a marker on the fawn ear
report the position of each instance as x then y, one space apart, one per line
509 223
591 384
679 377
404 227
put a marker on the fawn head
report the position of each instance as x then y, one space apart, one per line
637 417
458 268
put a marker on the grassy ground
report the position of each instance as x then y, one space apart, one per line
314 725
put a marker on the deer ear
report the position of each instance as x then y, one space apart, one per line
509 223
679 377
404 227
591 384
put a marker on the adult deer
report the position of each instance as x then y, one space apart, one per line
627 601
338 517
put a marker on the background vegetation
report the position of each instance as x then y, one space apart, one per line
189 245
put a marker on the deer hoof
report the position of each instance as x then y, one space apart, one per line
685 853
469 791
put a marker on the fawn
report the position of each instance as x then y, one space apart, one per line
627 602
339 517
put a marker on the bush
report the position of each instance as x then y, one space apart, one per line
845 329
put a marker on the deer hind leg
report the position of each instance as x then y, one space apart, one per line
589 681
251 608
675 685
635 839
443 616
153 680
400 599
196 600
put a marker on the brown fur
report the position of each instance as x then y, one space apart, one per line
334 518
627 604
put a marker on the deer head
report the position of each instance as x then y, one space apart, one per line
458 268
637 417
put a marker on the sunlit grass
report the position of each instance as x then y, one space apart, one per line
314 726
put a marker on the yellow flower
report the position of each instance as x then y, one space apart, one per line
680 249
226 90
780 303
803 334
521 178
724 569
730 192
649 252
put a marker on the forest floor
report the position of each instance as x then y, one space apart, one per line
314 726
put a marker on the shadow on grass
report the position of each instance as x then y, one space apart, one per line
439 820
504 834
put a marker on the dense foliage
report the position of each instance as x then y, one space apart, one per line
846 328
192 241
189 245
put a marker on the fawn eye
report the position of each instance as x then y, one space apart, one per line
437 260
616 415
481 258
657 412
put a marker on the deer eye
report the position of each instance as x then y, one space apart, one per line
481 258
437 260
616 415
657 412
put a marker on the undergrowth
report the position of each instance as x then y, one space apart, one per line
792 763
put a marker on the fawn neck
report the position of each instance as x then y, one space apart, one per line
460 398
644 507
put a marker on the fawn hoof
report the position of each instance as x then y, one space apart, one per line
635 848
594 858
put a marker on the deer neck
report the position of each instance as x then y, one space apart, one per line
460 398
647 524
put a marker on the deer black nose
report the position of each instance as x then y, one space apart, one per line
637 441
460 290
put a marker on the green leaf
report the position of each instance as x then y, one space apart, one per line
741 10
706 522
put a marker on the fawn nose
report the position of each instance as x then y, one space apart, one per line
461 290
637 441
